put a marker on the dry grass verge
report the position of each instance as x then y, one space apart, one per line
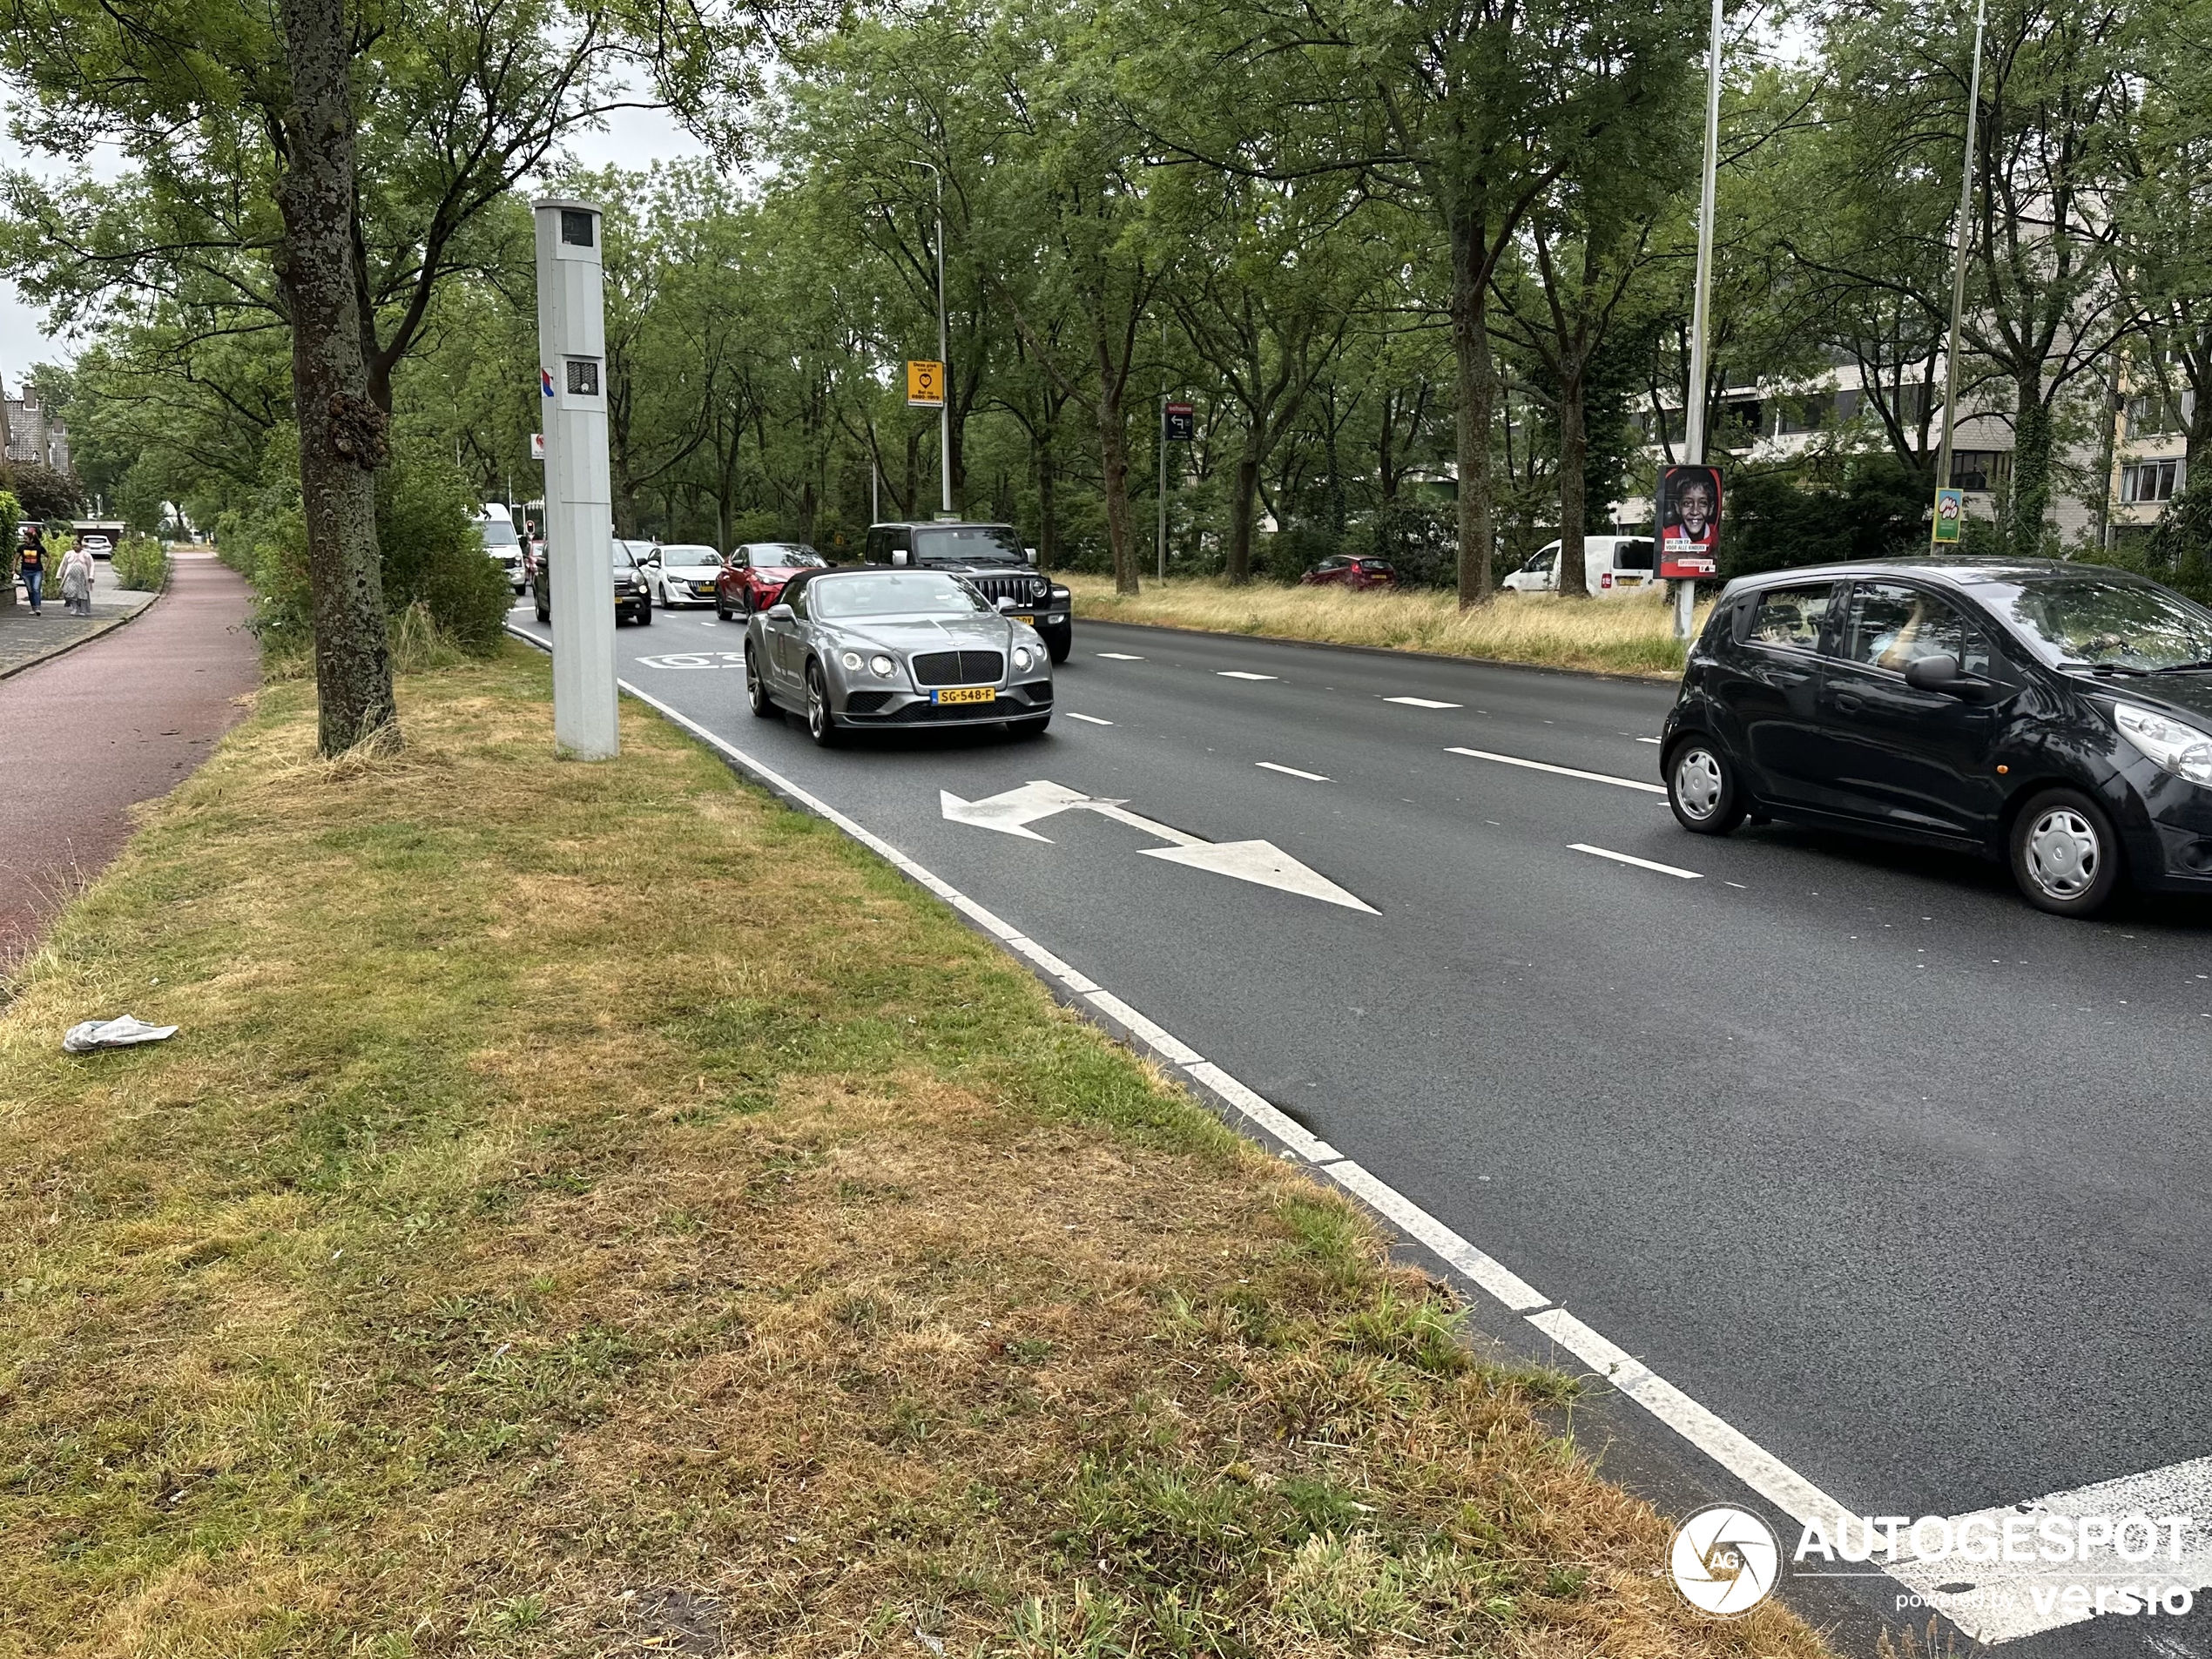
592 1210
1630 636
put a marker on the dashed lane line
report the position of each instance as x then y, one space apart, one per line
1423 703
1087 719
1629 858
1563 771
1242 674
1118 657
1274 765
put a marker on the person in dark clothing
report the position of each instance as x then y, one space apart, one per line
34 567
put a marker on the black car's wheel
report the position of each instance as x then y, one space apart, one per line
756 687
1059 644
821 725
1033 727
645 611
544 613
721 606
2065 854
1701 787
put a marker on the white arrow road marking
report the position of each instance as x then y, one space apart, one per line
1010 811
1239 674
1118 657
1087 719
1564 771
1310 777
2004 1601
1640 864
1264 863
1261 862
1423 703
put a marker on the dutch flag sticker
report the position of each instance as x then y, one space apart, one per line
545 382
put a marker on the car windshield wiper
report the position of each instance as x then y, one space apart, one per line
2109 667
2186 668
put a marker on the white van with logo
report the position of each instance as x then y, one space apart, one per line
1611 564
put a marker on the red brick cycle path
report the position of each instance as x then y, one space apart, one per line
87 735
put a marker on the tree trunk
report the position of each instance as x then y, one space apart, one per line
1242 496
1574 454
342 431
2031 491
2196 365
1113 456
1047 506
1478 395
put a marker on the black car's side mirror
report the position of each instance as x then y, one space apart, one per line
898 556
1032 555
1933 673
780 612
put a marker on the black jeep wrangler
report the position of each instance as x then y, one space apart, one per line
993 560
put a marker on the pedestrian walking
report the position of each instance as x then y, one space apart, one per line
34 567
77 581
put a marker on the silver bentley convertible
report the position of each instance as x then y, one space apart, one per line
858 648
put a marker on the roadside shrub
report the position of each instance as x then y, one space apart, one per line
1774 523
11 525
433 555
140 563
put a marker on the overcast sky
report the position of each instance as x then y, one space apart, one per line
632 139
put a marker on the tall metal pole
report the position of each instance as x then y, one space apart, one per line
1958 256
1160 445
1694 403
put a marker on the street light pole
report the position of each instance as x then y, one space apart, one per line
1694 403
1160 446
1958 258
944 408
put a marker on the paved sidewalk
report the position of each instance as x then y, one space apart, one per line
25 639
85 737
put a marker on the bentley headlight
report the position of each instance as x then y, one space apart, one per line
882 667
2181 749
1021 657
852 660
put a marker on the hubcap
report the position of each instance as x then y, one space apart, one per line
1697 782
2062 853
817 711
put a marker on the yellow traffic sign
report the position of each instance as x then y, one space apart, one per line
926 385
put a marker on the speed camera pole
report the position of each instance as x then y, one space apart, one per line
579 496
945 406
1694 401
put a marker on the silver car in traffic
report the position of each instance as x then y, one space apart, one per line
859 647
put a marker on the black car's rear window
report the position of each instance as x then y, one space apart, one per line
967 544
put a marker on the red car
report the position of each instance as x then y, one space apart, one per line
753 579
1344 571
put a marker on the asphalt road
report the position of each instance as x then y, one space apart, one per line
1902 1179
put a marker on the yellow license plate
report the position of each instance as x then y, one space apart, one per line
1032 621
966 694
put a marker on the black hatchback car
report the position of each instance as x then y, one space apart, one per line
2056 715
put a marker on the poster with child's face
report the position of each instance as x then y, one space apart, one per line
1689 522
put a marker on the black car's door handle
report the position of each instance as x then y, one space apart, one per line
1850 702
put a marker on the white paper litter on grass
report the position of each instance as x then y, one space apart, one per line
118 1033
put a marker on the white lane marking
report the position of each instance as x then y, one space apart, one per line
1118 657
1416 1222
1240 674
1310 777
1742 1456
1423 703
1652 741
1264 864
1734 1451
1564 771
2010 1599
1640 864
1087 719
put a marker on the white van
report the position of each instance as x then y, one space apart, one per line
496 523
1611 564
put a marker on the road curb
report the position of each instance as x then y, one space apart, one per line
102 632
1394 651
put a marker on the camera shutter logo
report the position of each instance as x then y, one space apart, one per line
1724 1559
